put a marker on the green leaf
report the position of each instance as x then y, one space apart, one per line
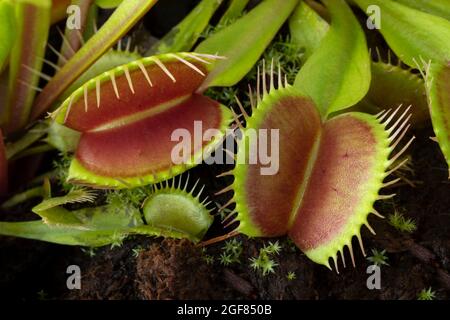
413 35
307 29
108 4
438 92
337 75
33 23
184 35
243 42
7 31
439 8
120 22
234 10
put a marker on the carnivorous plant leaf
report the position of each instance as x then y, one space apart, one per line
169 212
128 115
32 23
7 31
338 83
438 90
413 35
234 10
318 204
243 42
183 36
307 29
438 8
392 86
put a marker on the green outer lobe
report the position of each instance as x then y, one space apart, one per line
33 22
439 8
413 34
177 210
392 86
7 31
341 192
183 36
243 42
120 22
438 88
338 83
299 125
307 29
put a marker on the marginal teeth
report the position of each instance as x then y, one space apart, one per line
190 65
163 68
97 91
144 71
85 89
128 76
114 84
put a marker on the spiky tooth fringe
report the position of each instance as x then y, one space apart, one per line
144 72
190 65
164 69
128 77
114 83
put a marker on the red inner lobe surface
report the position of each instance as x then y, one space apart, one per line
271 199
145 147
338 180
144 98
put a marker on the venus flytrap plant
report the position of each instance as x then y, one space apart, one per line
158 89
121 117
155 90
350 66
169 211
321 229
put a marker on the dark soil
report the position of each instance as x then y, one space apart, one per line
173 269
